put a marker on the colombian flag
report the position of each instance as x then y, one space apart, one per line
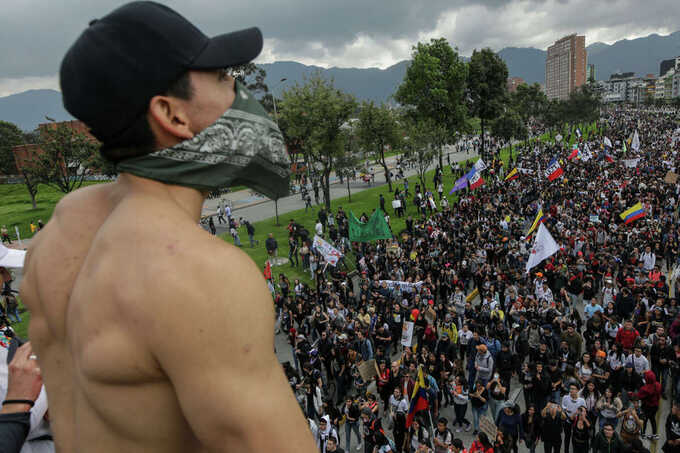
633 213
540 218
419 401
514 174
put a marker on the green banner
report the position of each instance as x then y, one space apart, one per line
375 228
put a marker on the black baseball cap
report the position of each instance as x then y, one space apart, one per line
134 53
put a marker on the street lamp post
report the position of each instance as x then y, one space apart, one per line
276 117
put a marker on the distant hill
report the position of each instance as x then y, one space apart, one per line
28 109
642 56
525 62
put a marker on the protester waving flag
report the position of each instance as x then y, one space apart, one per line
633 213
574 153
578 132
461 183
609 158
480 166
476 181
608 142
544 247
554 170
419 401
540 218
514 174
635 143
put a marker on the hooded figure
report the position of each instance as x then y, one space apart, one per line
649 393
323 434
483 363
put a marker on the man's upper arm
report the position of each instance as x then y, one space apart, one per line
228 381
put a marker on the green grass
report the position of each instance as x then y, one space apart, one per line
16 209
364 201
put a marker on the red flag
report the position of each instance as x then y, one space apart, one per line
268 271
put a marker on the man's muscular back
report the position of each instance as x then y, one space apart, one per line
110 283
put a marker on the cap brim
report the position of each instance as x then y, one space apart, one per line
13 258
230 49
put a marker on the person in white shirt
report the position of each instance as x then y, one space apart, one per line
570 405
639 362
648 259
319 228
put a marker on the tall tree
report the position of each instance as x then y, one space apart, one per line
434 88
10 136
420 143
509 126
312 114
252 76
486 87
529 101
378 129
65 157
583 105
347 162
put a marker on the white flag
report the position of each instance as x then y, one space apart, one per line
544 246
407 334
480 166
608 142
330 253
635 143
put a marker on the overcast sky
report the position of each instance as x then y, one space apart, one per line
35 34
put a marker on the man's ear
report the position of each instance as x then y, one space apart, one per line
169 119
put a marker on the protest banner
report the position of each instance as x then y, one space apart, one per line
407 333
406 287
367 370
487 426
670 178
330 253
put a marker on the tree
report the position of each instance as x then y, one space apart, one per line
65 156
347 162
529 101
583 105
434 88
486 87
509 126
252 76
312 115
422 137
378 129
10 136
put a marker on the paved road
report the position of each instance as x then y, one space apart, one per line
294 202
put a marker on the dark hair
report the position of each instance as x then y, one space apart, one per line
138 139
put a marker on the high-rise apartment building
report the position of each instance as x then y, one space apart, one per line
565 66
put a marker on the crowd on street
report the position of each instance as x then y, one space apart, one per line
440 340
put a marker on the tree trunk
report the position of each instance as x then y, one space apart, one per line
327 188
349 194
387 172
32 193
441 158
481 124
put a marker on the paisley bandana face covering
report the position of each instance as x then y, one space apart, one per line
243 147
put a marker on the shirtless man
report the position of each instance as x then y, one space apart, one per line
120 267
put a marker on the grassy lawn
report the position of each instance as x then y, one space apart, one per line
364 201
16 209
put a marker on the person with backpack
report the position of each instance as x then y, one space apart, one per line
442 436
374 434
483 363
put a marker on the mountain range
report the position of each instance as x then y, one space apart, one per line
641 56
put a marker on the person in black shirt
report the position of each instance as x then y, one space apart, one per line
553 417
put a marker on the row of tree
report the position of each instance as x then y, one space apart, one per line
441 98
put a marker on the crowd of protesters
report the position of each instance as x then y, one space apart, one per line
579 353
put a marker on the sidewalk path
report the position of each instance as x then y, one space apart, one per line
261 208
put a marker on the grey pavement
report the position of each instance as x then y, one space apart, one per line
261 208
